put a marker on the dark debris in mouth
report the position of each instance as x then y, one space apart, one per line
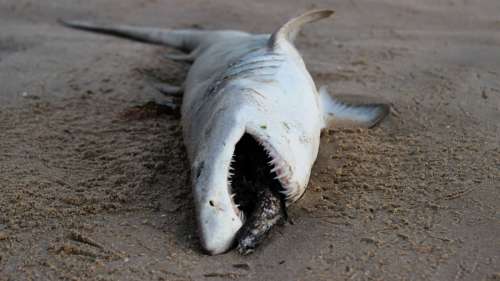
257 193
269 210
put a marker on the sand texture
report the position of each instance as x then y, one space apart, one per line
95 186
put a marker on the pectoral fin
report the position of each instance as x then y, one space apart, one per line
168 90
337 112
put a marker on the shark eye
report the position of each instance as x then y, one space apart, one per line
211 203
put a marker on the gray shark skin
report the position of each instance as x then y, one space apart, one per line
245 86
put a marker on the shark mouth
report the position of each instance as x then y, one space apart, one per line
255 168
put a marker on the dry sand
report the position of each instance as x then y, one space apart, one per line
92 188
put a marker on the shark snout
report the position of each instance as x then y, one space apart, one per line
218 224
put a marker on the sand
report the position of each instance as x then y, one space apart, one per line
93 187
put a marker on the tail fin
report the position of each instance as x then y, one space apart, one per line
185 40
289 30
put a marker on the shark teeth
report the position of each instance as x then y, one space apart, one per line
278 166
232 196
242 216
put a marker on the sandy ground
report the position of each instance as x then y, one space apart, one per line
92 188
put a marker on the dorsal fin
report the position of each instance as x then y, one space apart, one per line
289 30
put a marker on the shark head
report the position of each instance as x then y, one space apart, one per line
243 133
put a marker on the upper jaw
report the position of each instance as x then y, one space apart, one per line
285 164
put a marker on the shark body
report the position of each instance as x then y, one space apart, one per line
244 85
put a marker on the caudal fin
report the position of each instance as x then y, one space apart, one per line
185 40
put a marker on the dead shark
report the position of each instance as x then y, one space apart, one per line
251 113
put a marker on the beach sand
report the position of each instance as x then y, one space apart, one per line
93 187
